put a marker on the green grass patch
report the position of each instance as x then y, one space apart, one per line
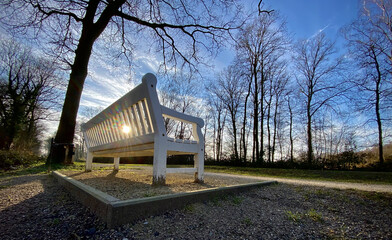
236 200
311 214
295 217
190 208
323 175
314 215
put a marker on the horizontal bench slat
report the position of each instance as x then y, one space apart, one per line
149 138
98 165
181 170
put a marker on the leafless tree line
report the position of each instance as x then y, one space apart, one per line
280 98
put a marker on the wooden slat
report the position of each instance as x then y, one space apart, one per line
128 122
123 123
141 119
100 135
136 121
102 129
107 131
181 170
95 134
148 115
133 123
117 127
146 119
126 142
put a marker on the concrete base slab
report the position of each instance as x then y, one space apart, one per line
116 212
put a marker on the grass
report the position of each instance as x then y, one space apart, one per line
311 214
295 217
323 175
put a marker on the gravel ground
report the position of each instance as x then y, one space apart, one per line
136 182
36 207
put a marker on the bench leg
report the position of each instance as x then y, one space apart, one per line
199 165
89 162
159 165
116 163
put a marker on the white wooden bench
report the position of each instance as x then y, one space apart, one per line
134 126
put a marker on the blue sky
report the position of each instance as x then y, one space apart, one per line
305 18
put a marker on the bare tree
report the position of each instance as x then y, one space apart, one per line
179 29
181 93
219 125
230 90
258 45
317 79
27 93
378 16
370 49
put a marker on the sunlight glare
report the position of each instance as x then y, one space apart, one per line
126 129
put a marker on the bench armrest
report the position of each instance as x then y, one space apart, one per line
170 113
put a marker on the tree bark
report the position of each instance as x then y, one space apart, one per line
309 132
377 108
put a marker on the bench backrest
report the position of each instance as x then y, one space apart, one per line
136 116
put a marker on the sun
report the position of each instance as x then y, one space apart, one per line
126 129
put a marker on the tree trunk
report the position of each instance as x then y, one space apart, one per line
291 134
256 156
261 155
244 122
378 115
309 132
233 121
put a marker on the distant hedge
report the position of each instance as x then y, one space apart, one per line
13 159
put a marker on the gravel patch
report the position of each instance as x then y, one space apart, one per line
136 182
36 207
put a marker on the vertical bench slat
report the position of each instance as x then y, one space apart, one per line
135 120
133 124
123 123
113 129
104 133
117 128
99 135
95 136
141 118
128 122
148 116
144 116
88 138
101 129
107 130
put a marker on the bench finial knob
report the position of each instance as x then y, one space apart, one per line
150 79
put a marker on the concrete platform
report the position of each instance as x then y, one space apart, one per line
116 212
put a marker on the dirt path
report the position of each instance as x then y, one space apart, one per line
328 184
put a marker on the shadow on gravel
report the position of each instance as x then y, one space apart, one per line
36 207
